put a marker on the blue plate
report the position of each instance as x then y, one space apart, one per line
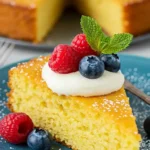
136 69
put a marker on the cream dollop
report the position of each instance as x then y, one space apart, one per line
75 84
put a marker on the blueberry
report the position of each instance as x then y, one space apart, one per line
112 62
91 67
147 125
39 139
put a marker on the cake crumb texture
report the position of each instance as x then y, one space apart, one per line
95 123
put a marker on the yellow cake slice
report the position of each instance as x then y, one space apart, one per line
29 19
82 123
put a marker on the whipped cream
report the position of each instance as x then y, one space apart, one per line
75 84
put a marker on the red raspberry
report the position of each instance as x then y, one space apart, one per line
80 44
15 127
64 59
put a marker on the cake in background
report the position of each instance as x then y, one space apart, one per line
32 19
118 16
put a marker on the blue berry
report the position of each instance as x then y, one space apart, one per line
112 62
147 125
91 67
39 139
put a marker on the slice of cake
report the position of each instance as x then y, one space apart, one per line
29 19
77 95
96 123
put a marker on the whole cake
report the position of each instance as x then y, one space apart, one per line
77 93
33 19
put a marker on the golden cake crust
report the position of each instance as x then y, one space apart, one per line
28 20
136 17
20 22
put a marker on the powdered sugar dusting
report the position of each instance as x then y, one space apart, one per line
3 100
140 109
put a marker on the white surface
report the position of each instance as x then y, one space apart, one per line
75 84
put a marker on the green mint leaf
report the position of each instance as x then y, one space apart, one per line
93 32
117 43
99 41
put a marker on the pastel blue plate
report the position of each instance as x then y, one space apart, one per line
136 69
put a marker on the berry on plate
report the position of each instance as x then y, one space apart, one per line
64 59
15 127
112 62
80 45
91 67
39 140
147 125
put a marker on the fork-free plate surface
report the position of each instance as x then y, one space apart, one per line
136 69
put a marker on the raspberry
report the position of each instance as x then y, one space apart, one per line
15 127
80 45
64 59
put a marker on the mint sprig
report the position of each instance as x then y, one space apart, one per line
99 41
